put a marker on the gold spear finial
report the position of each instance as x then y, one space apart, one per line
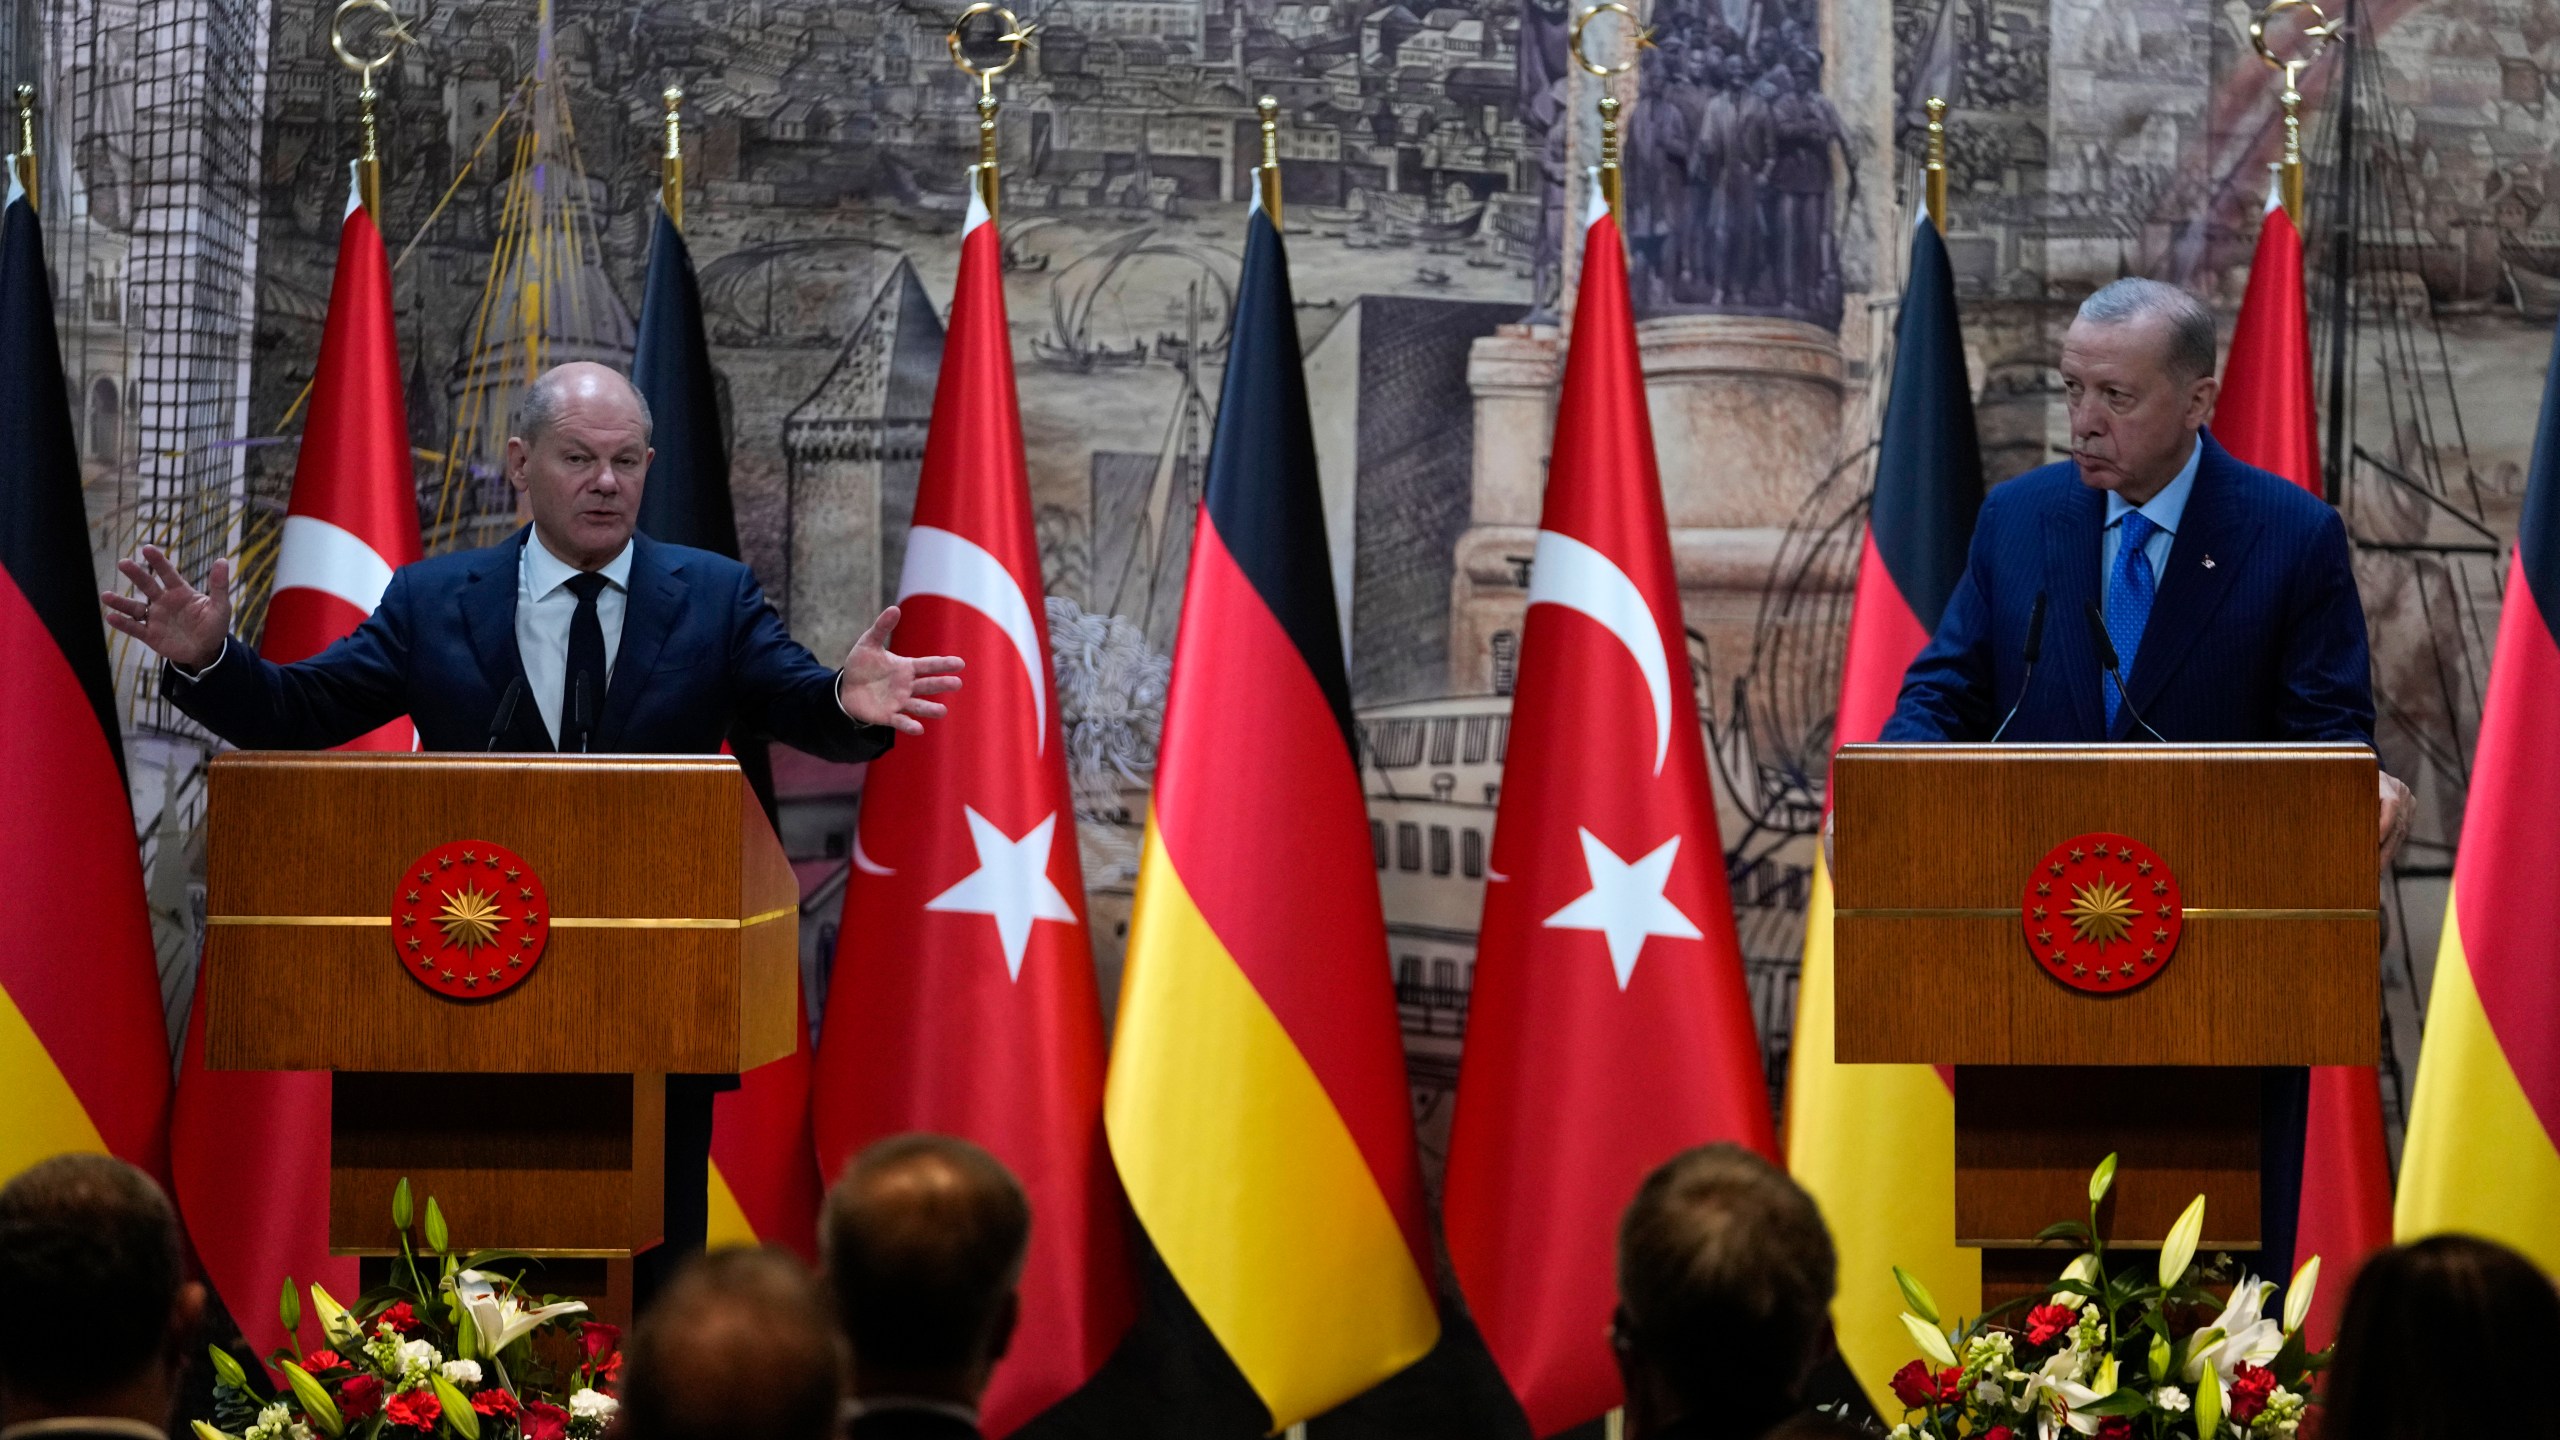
1267 174
1015 34
671 163
1935 165
26 153
2288 168
1609 104
369 172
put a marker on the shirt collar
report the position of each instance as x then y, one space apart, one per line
545 572
856 1407
2168 507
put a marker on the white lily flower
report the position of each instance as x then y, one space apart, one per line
2084 1270
2248 1336
499 1316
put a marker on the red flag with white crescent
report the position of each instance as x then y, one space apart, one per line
250 1149
963 999
1609 1027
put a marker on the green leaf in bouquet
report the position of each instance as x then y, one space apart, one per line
2297 1296
2160 1353
457 1410
2081 1288
2292 1362
1916 1295
437 1235
2102 1179
289 1310
400 1208
1931 1340
226 1368
2208 1403
2121 1402
2075 1231
2180 1247
315 1401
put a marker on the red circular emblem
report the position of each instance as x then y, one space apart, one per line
469 919
2102 913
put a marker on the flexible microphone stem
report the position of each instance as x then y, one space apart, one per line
2107 656
505 719
2033 649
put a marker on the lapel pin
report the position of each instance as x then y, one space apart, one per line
2208 562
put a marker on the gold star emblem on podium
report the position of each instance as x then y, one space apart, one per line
470 918
2044 888
2100 912
2075 854
2146 867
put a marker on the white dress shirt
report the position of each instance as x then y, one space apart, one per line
544 607
2165 510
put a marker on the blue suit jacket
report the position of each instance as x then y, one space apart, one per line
702 654
2257 633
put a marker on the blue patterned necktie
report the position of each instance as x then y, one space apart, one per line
2130 592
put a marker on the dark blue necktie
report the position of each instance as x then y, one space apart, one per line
585 674
2130 592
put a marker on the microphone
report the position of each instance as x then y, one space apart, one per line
2107 657
2034 648
582 712
505 719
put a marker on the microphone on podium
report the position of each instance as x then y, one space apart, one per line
2029 653
2107 657
505 719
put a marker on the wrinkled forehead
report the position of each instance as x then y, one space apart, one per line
600 419
2133 352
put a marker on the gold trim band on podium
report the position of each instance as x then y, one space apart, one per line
558 922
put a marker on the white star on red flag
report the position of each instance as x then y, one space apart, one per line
1626 903
1011 884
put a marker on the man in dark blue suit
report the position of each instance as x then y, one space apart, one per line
575 634
2223 593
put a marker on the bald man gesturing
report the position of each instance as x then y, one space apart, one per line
575 634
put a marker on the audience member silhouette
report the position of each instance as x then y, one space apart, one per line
738 1345
2422 1317
100 1316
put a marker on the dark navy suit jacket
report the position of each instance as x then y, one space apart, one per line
2257 633
702 654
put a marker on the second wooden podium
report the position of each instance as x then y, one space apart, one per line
2106 942
501 957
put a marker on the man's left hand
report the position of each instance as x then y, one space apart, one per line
2399 804
878 687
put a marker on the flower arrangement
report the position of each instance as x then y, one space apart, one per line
2113 1353
462 1355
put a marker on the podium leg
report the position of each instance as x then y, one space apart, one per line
2027 1137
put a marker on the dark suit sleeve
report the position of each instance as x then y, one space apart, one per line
1946 694
783 691
357 685
2326 681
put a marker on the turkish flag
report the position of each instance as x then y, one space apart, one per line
963 999
249 1149
1609 1028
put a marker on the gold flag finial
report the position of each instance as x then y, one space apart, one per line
671 163
2317 33
1609 104
1015 34
1266 175
1935 166
26 151
369 172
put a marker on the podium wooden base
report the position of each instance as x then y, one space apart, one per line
2027 1137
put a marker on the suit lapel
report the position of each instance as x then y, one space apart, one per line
488 602
649 612
2191 591
2071 530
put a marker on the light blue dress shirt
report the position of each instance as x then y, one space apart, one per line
2165 510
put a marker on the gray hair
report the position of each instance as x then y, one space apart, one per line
2193 343
538 408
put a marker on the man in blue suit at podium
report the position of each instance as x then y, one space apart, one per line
2174 594
576 634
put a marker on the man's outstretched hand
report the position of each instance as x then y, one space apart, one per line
878 687
180 623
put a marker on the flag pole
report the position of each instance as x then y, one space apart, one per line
1267 174
671 163
1936 164
1016 34
369 163
2288 168
26 152
1610 105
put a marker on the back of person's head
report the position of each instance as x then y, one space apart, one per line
1725 1277
92 1265
2419 1313
925 1237
740 1345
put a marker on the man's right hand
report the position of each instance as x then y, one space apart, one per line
184 625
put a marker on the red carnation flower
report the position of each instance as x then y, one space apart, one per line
414 1409
2115 1427
1918 1388
2251 1387
359 1397
494 1401
401 1318
319 1360
1999 1432
2046 1321
545 1421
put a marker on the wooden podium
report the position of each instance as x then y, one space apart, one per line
2266 855
534 1114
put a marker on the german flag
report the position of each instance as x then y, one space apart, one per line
1256 1104
2483 1154
1875 1144
84 1053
